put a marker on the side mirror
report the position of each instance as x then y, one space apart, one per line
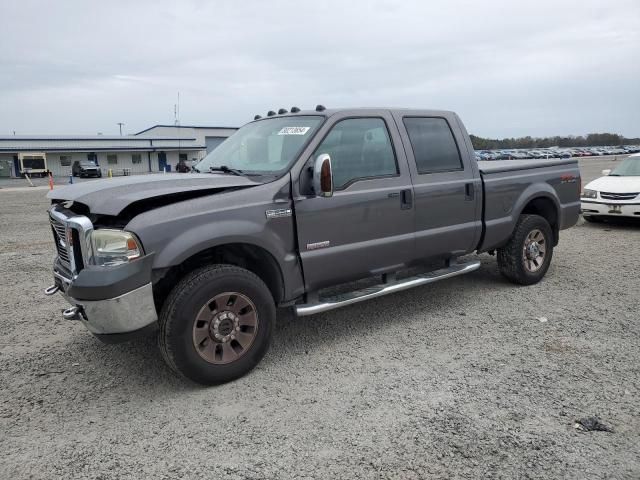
323 176
606 171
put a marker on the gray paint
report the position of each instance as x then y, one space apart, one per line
111 196
359 231
180 230
367 230
507 192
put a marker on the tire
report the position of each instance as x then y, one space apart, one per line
192 309
592 219
513 261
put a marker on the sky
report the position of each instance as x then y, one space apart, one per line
508 68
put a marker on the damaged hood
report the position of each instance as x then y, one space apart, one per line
111 196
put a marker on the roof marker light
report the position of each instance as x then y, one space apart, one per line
295 109
320 108
257 117
282 111
270 113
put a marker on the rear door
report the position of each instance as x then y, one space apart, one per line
447 185
366 227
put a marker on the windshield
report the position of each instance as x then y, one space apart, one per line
264 147
630 167
88 164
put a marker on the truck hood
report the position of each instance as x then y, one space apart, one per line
111 196
615 184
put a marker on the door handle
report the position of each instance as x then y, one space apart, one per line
394 195
469 191
406 199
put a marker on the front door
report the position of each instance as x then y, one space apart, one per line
162 161
366 227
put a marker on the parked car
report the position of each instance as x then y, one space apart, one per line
617 194
502 155
85 168
206 258
618 151
488 155
520 154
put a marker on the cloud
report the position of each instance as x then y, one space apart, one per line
508 69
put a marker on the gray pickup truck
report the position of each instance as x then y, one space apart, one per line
289 212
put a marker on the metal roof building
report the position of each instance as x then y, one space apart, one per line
152 150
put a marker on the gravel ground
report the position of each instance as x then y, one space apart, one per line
471 377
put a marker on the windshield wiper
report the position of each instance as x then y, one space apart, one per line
225 169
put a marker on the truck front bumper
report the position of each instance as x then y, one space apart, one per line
114 305
125 314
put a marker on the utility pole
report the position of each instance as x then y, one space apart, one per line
176 112
120 124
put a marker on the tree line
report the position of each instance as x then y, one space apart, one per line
590 140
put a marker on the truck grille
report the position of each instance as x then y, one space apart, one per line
61 241
618 196
71 233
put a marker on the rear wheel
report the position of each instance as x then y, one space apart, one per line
527 255
216 324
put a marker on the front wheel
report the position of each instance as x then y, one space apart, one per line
527 255
216 324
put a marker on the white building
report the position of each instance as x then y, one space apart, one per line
152 150
210 137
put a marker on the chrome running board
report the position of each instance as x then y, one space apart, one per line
329 303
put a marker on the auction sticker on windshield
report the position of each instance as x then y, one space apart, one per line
294 130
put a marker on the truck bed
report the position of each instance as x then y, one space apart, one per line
495 166
509 185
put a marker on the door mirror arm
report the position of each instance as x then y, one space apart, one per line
323 176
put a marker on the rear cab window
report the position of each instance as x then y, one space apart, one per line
434 146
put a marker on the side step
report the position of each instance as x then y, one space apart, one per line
344 299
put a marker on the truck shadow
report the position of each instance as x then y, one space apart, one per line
300 336
137 369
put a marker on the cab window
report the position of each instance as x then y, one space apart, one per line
433 144
360 148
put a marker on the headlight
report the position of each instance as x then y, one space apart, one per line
114 247
589 194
